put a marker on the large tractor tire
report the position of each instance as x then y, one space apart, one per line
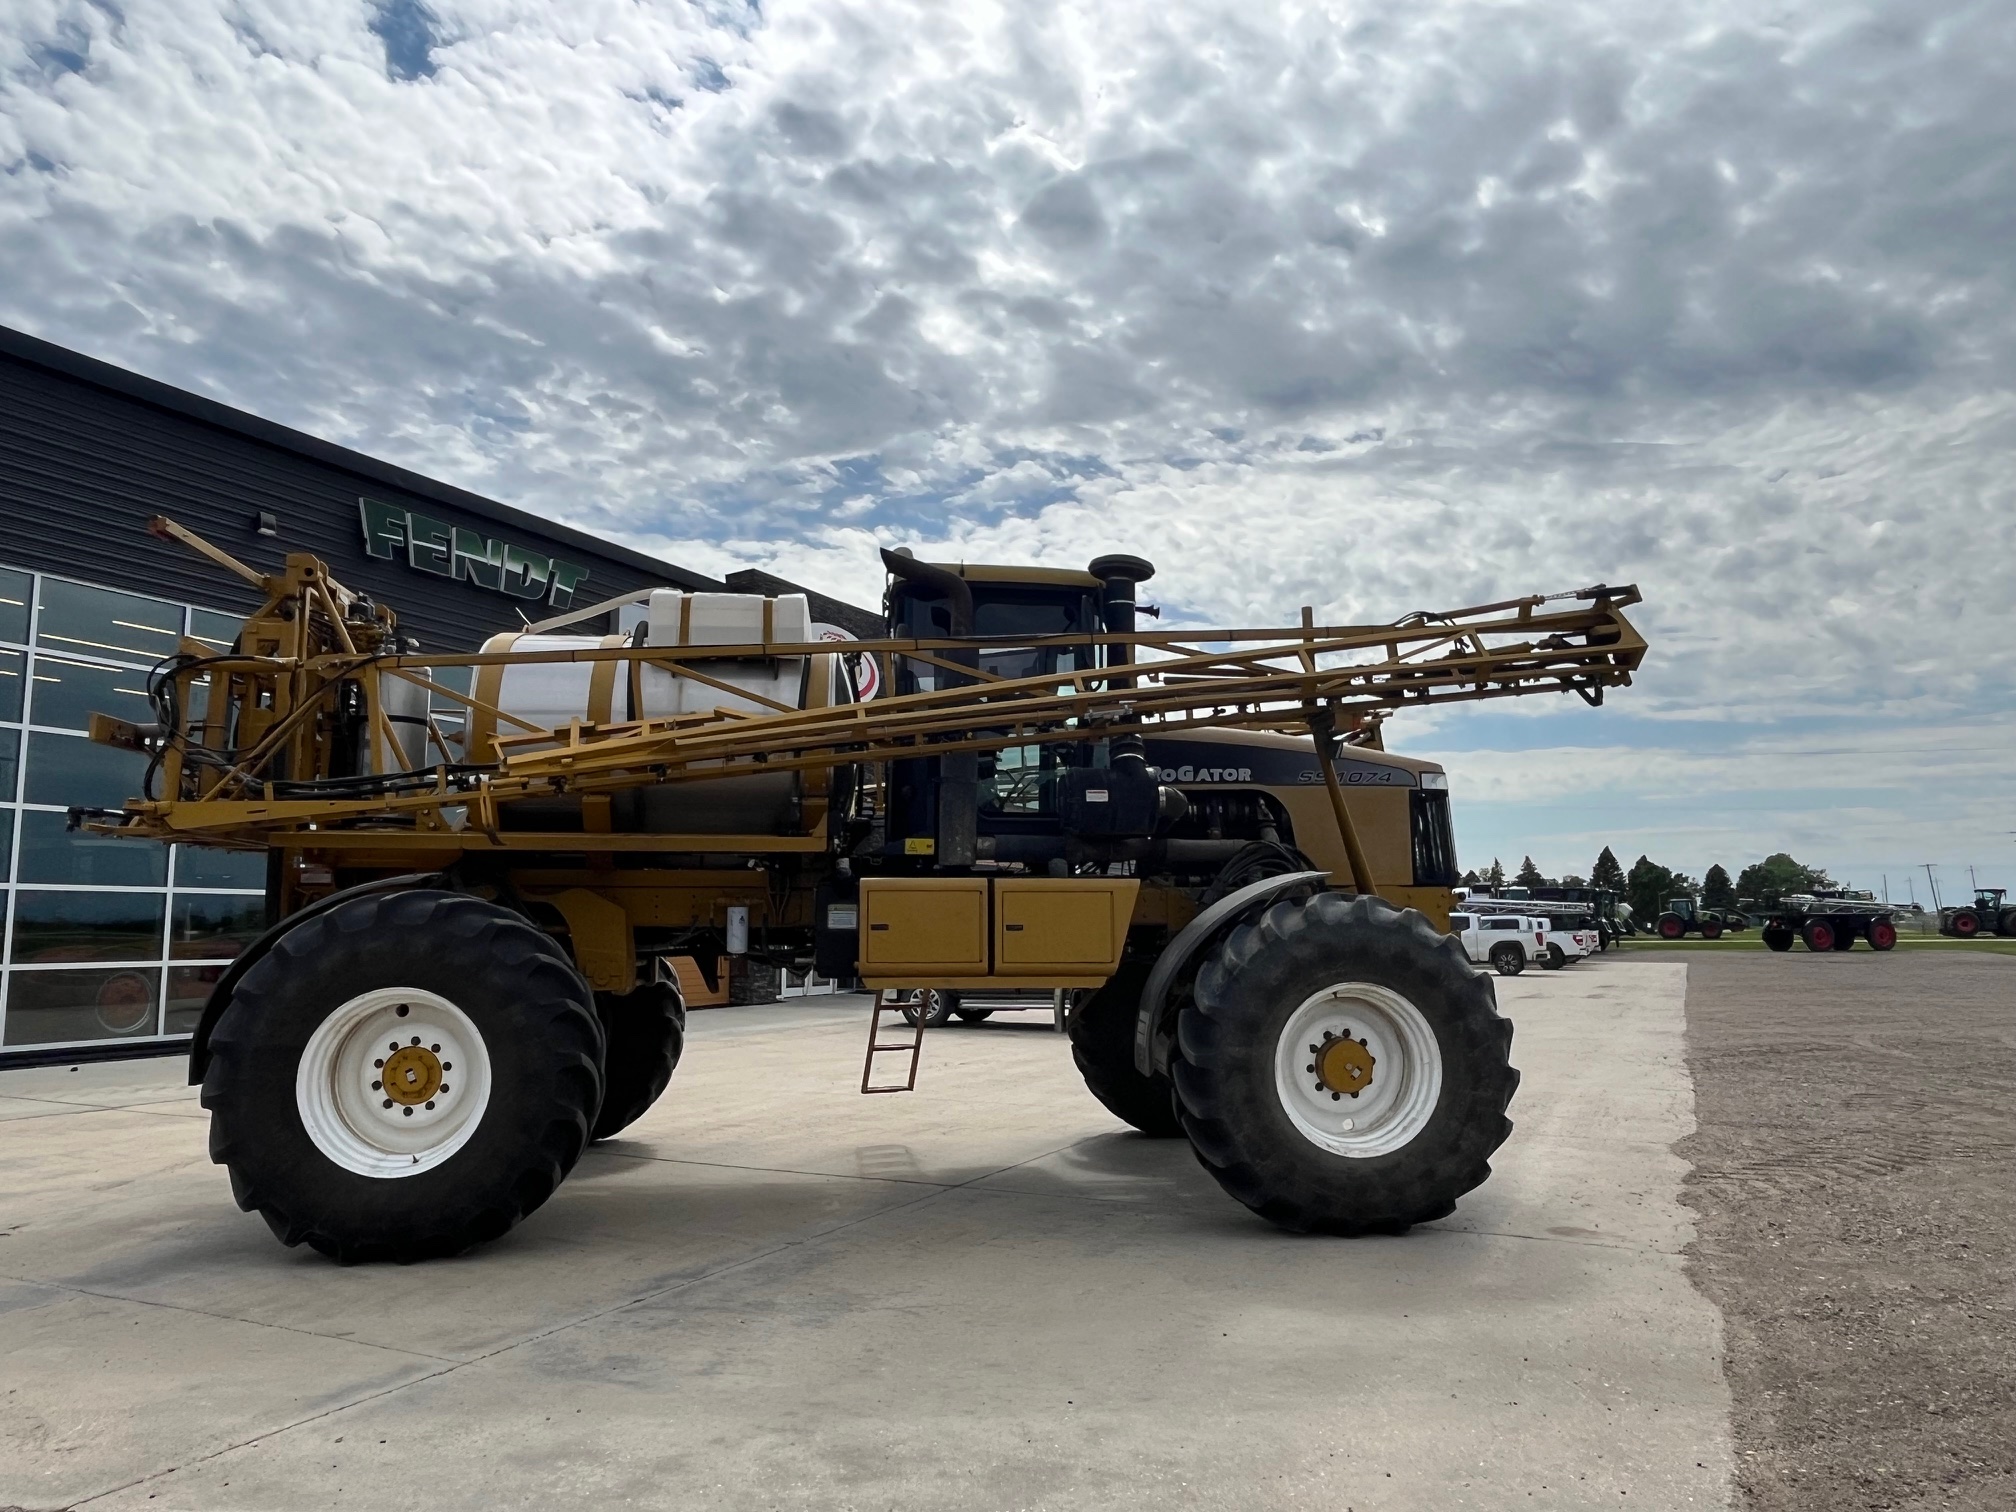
1818 935
1882 935
2007 924
1101 1030
1844 936
934 1005
403 1077
1508 960
1966 923
1342 1070
1672 927
646 1031
1711 929
1777 937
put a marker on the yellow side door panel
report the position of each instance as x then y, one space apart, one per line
1044 925
924 924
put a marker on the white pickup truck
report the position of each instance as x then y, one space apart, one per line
1571 935
1505 942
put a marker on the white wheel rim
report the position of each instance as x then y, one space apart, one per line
339 1089
1405 1080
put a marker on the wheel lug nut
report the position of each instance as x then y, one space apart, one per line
407 1111
379 1064
447 1065
378 1086
435 1048
416 1039
444 1086
430 1107
388 1102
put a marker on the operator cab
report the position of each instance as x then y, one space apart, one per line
1020 805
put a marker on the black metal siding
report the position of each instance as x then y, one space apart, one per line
83 465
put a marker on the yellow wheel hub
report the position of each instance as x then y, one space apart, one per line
1343 1066
411 1074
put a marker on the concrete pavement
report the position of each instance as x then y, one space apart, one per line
773 1292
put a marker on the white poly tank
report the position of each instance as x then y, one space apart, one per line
725 619
551 694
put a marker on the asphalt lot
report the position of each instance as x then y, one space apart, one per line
1855 1177
777 1293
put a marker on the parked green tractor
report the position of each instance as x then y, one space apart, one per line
1987 914
1685 915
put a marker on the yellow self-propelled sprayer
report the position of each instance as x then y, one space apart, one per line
479 864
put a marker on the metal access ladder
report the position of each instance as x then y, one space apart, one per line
889 1001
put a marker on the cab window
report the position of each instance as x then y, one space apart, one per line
1006 612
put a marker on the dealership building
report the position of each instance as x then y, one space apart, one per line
111 945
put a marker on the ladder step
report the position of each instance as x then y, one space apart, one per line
877 1045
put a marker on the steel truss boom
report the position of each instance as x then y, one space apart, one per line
1299 678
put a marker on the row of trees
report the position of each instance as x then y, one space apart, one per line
1648 886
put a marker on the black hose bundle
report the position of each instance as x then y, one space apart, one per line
164 696
1253 862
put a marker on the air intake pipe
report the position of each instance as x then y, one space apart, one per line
1120 574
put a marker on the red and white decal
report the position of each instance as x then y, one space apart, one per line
863 668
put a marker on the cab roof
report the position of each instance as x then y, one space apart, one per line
1035 577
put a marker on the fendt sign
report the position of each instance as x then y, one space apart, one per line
431 545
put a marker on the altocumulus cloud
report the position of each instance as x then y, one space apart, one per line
1371 307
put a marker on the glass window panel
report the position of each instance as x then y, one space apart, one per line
213 926
1016 781
6 847
16 588
68 693
54 1007
188 990
217 631
52 927
104 622
13 683
67 769
50 854
202 866
10 763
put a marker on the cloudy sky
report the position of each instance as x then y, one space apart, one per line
1372 306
